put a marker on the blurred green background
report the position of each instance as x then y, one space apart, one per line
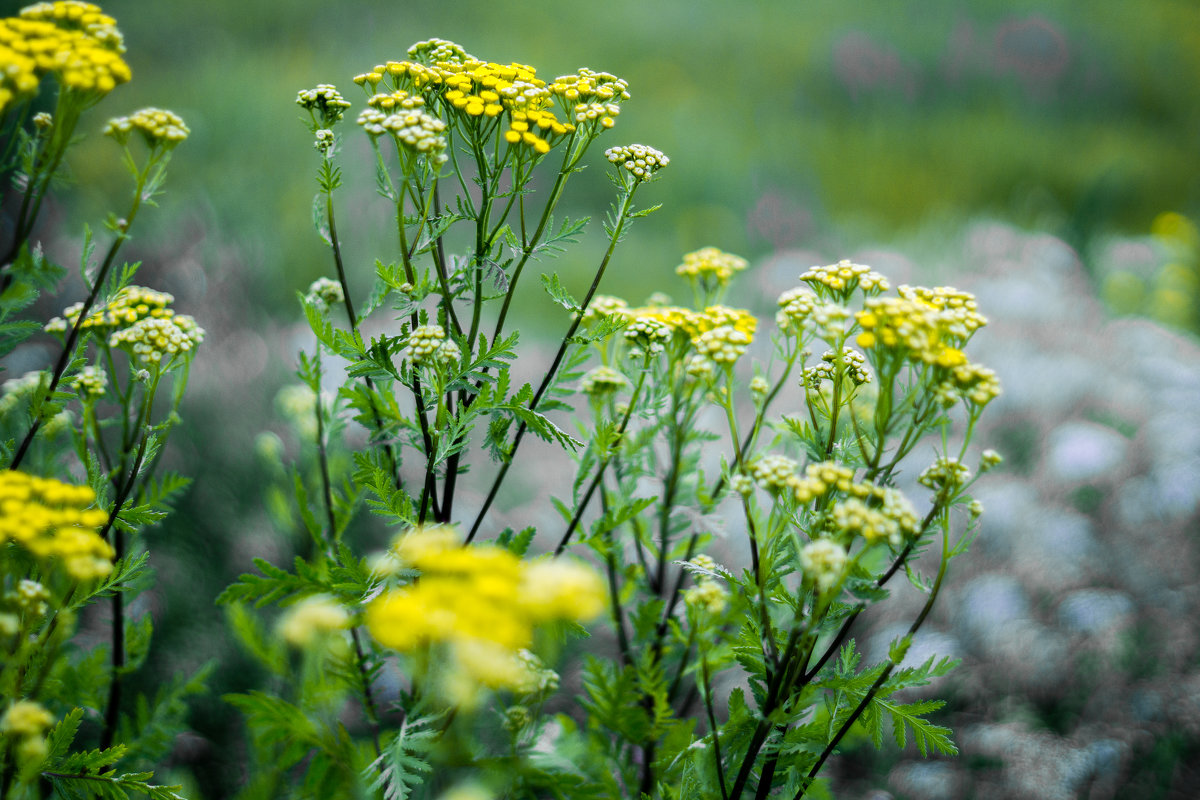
821 126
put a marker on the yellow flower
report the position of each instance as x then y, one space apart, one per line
52 521
25 718
311 619
711 264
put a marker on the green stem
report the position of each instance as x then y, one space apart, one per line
64 358
622 217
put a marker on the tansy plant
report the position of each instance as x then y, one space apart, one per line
427 670
81 438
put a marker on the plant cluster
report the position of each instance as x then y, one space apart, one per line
720 680
81 439
427 668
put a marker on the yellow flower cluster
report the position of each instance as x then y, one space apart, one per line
473 89
483 602
26 722
90 382
639 160
854 366
710 265
324 103
844 277
73 40
874 512
946 472
795 306
158 127
958 312
429 343
823 561
157 341
52 521
602 307
325 292
601 380
647 333
723 345
974 383
126 307
312 619
413 129
908 325
391 101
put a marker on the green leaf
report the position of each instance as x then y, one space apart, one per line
558 292
403 764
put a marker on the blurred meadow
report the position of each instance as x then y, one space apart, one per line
1030 144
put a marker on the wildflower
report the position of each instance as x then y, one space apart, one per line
795 307
429 342
823 561
947 473
324 104
842 278
708 596
25 718
640 161
604 306
71 40
482 603
723 345
601 381
829 320
742 484
32 597
91 383
432 51
710 265
989 460
853 366
774 473
158 128
324 141
413 130
561 589
325 292
648 335
54 521
759 388
312 619
157 341
126 307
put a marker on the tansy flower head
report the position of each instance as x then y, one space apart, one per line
414 130
325 292
432 51
637 160
947 473
601 381
312 619
54 521
157 342
710 266
823 562
795 307
842 278
428 344
91 383
158 127
853 366
324 103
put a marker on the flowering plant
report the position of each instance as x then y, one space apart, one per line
722 679
80 440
